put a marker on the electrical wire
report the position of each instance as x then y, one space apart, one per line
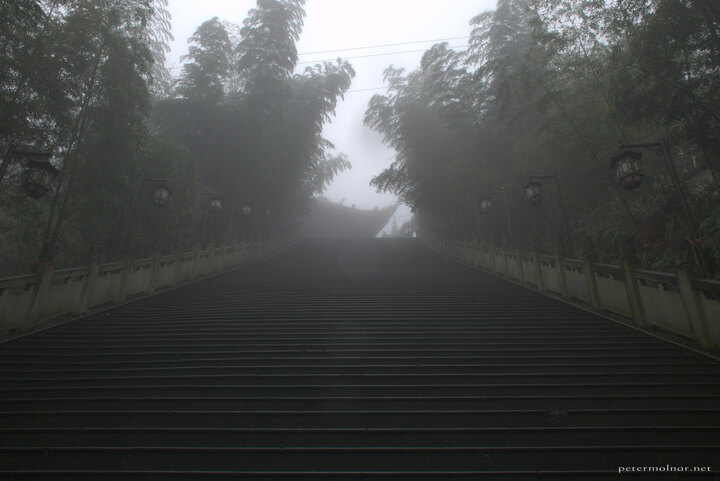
366 90
368 47
374 55
384 45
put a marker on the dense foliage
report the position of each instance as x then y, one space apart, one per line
254 125
555 86
85 80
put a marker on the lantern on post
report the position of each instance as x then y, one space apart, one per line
160 195
39 175
486 204
534 195
216 205
627 165
627 169
534 192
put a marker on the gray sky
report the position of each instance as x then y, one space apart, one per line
350 24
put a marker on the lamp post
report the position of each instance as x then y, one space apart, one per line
216 202
39 176
486 207
39 173
627 168
246 211
160 195
270 221
215 206
534 195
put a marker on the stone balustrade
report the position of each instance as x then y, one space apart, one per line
676 303
29 300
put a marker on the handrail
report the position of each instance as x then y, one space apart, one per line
29 299
674 302
7 281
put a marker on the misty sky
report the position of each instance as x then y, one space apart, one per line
350 24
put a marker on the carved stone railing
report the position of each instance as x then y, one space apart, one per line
26 301
676 303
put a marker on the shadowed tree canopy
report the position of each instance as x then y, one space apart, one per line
553 86
208 69
77 79
266 54
260 142
81 78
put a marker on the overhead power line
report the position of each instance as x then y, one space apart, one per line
366 90
366 48
384 45
397 52
374 55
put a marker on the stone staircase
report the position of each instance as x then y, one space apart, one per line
353 359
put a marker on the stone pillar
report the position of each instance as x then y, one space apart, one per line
195 261
694 309
45 271
561 277
633 294
588 260
121 292
223 257
211 259
177 267
505 263
591 283
83 302
152 278
538 272
521 266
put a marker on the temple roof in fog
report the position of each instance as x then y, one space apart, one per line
331 219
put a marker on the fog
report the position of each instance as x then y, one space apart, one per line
372 35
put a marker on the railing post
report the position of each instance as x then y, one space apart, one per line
490 258
152 278
121 292
211 259
195 261
633 294
693 308
521 266
591 282
538 272
83 302
561 276
241 254
223 257
476 254
177 267
505 263
36 299
247 251
230 256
